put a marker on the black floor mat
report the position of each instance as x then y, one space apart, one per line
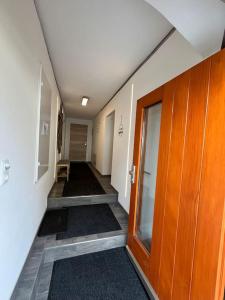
105 275
82 181
54 221
89 219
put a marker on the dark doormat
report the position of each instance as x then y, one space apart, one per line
54 221
105 275
89 219
82 181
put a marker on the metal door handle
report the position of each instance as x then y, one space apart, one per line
132 174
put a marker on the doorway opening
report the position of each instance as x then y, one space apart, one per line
108 143
78 142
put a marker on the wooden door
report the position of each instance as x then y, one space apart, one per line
186 256
78 142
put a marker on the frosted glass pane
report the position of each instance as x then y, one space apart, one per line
148 173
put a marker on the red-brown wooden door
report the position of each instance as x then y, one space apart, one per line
184 255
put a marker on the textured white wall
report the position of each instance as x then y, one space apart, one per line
70 121
22 202
201 22
173 58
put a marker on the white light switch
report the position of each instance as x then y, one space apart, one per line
4 171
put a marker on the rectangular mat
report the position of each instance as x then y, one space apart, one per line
82 181
54 221
97 276
89 219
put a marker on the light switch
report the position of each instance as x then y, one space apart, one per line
4 171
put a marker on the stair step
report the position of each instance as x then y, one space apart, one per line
60 249
58 202
35 278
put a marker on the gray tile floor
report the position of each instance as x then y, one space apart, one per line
105 181
57 189
36 275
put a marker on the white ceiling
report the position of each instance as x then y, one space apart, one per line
95 45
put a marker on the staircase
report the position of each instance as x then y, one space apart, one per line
35 277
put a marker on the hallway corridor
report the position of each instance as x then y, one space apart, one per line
101 186
112 149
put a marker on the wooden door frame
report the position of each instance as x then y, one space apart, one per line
135 245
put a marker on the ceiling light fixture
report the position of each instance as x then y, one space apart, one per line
84 101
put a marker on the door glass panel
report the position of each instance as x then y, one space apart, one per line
148 173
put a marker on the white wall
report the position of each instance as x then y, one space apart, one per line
120 152
201 22
22 202
173 58
66 141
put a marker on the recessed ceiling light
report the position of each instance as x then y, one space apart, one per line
84 101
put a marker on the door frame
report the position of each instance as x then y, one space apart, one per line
109 141
70 121
135 245
81 128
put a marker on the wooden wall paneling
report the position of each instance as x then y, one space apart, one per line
210 227
173 187
191 175
165 136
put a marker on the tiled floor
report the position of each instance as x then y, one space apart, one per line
36 276
57 189
105 181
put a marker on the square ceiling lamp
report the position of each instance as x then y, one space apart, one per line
84 101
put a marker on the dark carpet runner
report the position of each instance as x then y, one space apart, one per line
78 221
105 275
89 219
54 221
82 181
